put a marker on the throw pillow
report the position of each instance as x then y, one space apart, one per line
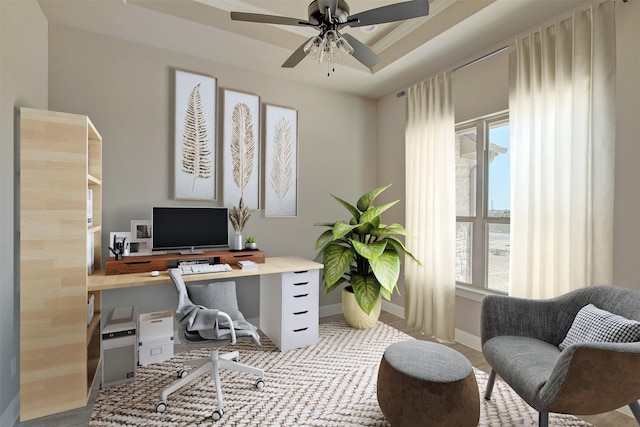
593 324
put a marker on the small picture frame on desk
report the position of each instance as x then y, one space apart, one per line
140 248
141 235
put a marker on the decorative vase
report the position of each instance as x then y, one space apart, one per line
356 318
238 241
252 246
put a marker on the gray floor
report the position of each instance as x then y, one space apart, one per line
81 416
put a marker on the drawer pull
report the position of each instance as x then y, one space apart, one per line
300 272
300 330
301 296
136 262
300 283
243 256
297 313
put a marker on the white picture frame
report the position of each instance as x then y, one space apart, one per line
141 237
241 154
281 161
195 137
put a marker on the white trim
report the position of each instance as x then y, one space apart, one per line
472 293
10 415
330 310
470 340
392 308
626 410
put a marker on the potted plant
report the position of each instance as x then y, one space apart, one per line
239 216
250 243
365 253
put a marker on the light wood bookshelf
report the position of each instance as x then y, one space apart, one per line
60 159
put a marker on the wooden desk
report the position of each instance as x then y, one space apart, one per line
98 281
289 295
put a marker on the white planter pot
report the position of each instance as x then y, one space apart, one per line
356 318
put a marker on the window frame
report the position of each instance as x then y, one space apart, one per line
481 220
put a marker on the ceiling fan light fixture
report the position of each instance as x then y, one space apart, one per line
327 47
312 49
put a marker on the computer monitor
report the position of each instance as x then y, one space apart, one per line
190 229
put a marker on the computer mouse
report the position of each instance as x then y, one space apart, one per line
154 273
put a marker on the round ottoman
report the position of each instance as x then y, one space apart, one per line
428 384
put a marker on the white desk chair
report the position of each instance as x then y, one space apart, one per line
208 315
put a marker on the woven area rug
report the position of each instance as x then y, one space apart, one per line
332 383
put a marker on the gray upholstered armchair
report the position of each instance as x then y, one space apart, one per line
520 339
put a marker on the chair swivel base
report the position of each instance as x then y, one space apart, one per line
211 365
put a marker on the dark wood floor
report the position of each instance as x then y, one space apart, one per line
80 417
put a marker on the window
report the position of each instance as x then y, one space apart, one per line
482 203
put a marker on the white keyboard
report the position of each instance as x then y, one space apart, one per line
203 268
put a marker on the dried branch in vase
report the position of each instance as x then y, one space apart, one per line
239 216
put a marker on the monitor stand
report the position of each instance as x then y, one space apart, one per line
192 251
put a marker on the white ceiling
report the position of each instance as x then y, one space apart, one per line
455 31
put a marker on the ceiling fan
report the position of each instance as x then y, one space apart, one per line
330 16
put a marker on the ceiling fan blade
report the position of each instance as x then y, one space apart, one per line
296 56
267 19
390 13
361 52
331 4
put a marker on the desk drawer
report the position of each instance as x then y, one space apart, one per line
299 317
292 277
299 286
134 265
299 302
299 336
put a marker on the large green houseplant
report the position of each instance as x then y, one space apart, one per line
363 252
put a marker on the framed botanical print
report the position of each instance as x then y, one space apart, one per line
281 161
195 136
241 149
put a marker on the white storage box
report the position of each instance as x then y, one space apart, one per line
155 337
154 326
155 351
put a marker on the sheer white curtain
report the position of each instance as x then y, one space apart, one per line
562 117
429 296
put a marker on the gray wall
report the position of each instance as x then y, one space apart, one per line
127 90
23 83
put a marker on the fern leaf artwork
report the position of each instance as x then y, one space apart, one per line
282 177
242 146
196 153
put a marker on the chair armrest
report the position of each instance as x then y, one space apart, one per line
504 315
231 328
591 378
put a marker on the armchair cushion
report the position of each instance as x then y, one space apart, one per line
592 324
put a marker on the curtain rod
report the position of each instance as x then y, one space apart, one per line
465 65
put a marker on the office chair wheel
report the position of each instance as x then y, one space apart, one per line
161 406
217 414
182 373
260 384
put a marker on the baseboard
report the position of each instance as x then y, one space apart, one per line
330 310
470 340
627 411
392 308
11 415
